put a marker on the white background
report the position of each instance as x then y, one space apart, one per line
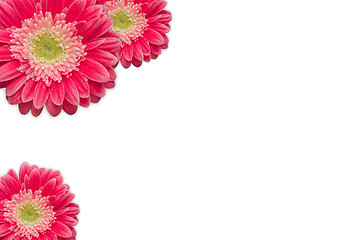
247 127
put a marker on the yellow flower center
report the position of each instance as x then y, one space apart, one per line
29 214
47 47
122 21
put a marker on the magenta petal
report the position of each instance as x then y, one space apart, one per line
9 70
94 71
41 94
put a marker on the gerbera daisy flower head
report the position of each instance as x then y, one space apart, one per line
142 26
35 204
55 53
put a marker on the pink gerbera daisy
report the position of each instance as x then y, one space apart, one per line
36 205
55 53
142 26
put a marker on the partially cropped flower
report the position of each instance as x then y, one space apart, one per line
142 26
36 205
55 53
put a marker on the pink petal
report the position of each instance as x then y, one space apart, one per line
104 27
81 84
136 63
85 102
155 49
97 89
94 44
13 186
153 37
75 10
69 108
36 112
111 73
138 53
35 181
41 94
92 27
24 8
155 7
8 15
61 230
5 54
24 170
111 44
68 221
145 47
57 92
16 97
5 36
9 70
50 235
4 193
9 236
25 108
159 27
15 85
128 52
53 109
125 63
49 187
102 57
5 229
94 99
71 92
91 13
28 91
94 71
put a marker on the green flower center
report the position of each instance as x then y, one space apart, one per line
29 214
122 21
47 47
